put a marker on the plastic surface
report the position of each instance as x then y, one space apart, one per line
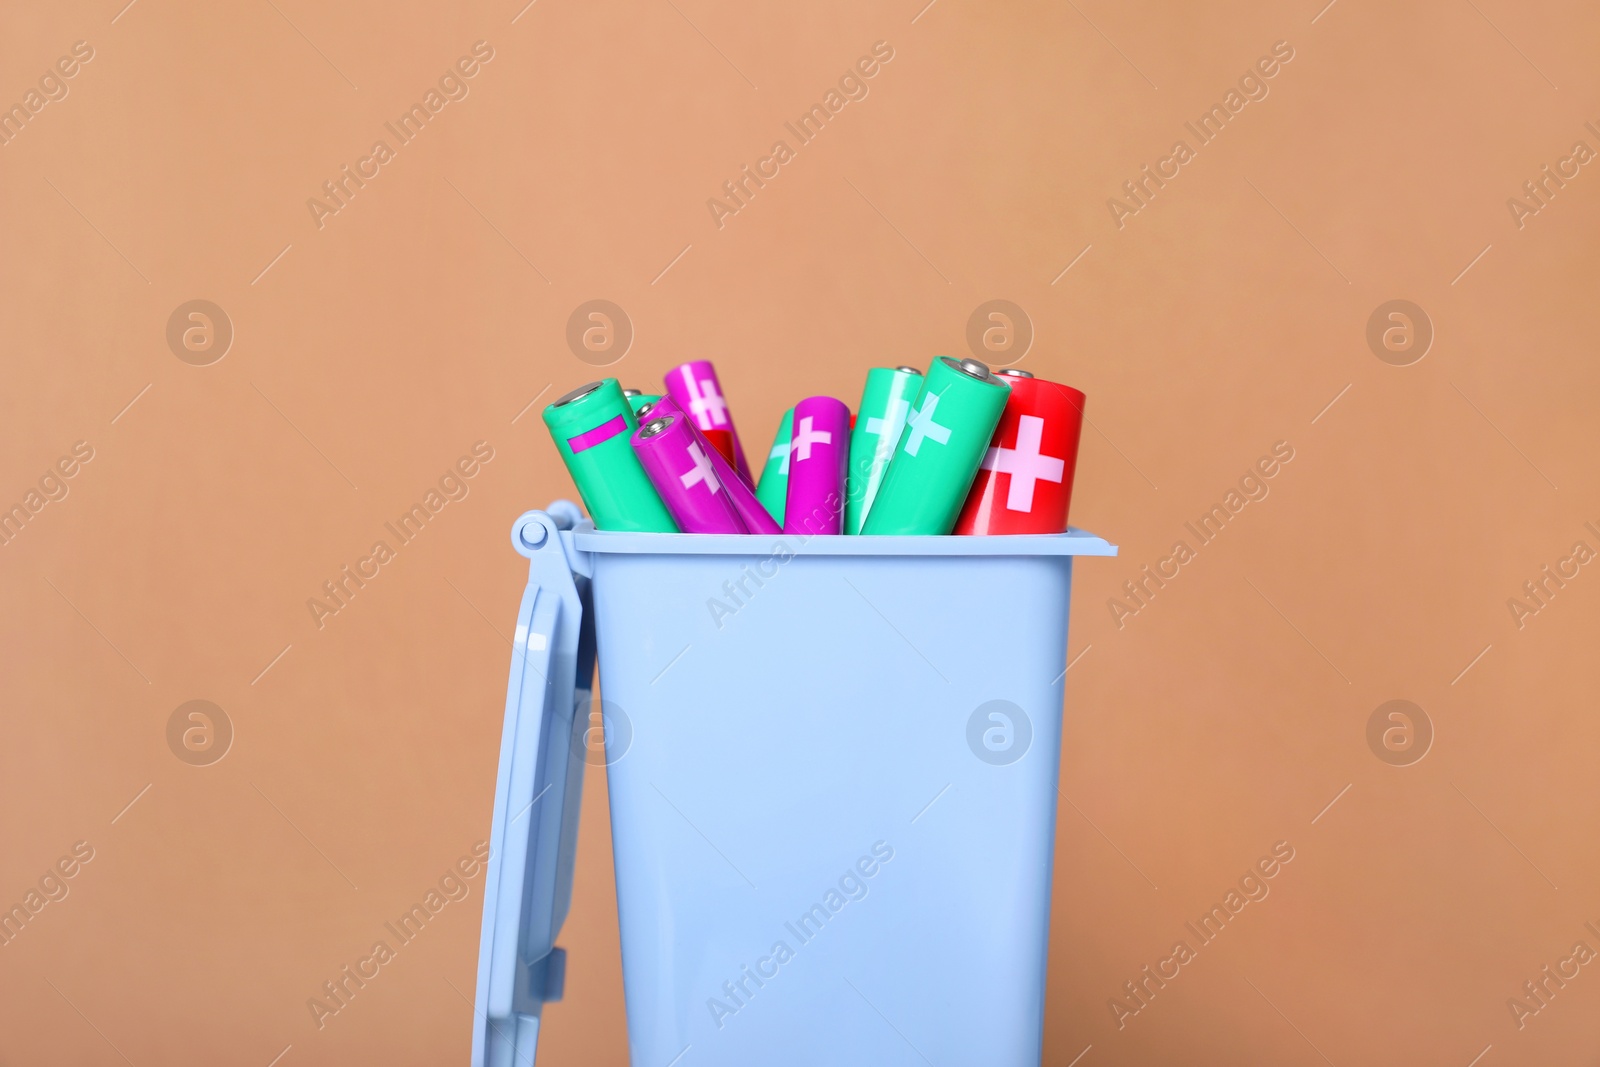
534 831
832 774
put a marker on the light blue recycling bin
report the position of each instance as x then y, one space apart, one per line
832 765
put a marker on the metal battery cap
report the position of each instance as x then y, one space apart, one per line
910 370
577 394
655 426
631 392
972 368
1010 373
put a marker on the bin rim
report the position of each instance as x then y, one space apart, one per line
1074 542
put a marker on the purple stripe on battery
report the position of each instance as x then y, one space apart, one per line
818 455
679 464
599 435
750 510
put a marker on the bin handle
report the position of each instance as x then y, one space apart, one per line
533 837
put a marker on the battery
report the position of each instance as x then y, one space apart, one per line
818 452
944 441
640 402
675 458
1025 482
773 490
743 498
591 426
885 403
695 387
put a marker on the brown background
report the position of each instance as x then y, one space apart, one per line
431 311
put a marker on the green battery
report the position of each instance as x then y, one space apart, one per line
940 449
591 426
639 401
885 403
773 488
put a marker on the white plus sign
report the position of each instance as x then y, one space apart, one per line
894 420
922 425
781 452
806 438
703 397
1025 463
703 471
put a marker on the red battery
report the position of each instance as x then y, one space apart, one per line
722 441
1025 483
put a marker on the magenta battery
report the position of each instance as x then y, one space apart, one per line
675 459
695 387
750 510
819 452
